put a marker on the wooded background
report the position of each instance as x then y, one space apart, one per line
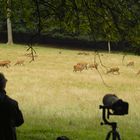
109 21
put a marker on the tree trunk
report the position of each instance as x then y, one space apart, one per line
9 24
109 47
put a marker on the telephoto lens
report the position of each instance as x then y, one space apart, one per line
118 106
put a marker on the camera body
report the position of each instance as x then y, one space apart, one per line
116 105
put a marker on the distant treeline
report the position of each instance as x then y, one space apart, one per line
69 43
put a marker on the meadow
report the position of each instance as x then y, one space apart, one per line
56 101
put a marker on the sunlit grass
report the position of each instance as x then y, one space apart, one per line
57 101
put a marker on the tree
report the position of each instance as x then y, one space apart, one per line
9 24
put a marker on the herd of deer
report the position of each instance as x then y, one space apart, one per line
80 66
114 70
84 65
7 63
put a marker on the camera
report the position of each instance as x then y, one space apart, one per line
115 105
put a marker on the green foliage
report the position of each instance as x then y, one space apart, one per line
97 20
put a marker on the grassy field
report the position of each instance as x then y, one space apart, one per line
57 101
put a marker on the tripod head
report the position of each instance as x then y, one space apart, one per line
105 116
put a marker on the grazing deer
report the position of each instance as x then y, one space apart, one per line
20 62
113 70
83 53
80 53
78 68
83 64
91 66
131 63
5 63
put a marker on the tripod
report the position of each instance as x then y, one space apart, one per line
113 133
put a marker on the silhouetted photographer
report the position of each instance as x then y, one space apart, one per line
62 138
10 114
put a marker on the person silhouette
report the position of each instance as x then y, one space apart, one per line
10 114
62 138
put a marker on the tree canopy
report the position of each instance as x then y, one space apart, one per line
109 20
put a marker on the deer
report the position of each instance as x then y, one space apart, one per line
83 53
131 63
78 67
113 70
83 64
5 63
20 62
91 65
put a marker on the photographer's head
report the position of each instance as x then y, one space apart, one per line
3 81
62 138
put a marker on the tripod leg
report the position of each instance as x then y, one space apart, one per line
108 135
115 135
118 135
